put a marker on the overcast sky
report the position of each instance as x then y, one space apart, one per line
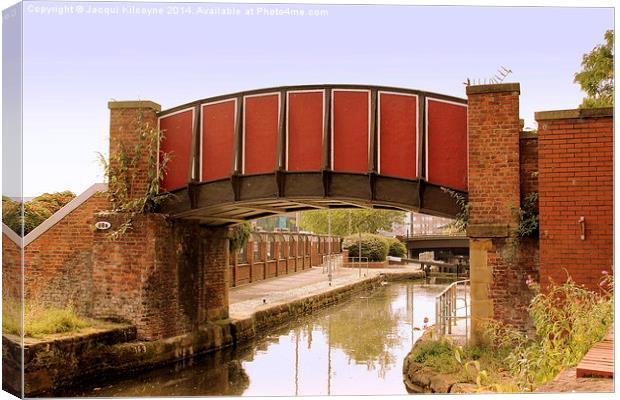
75 61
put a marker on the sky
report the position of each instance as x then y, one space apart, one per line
75 61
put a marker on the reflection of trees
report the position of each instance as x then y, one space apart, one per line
365 331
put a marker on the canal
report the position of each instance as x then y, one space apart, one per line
354 348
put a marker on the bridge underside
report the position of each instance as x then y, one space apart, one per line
240 198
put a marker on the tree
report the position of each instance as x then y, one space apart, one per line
597 76
36 210
361 220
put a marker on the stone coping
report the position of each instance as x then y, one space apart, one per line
576 113
134 104
494 88
487 230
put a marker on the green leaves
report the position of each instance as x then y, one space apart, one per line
349 221
597 75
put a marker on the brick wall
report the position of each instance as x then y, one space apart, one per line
493 132
528 156
576 180
165 277
502 163
58 263
11 266
127 120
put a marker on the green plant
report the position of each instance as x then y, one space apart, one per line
40 320
436 354
528 216
568 320
35 211
349 221
124 173
597 75
374 247
462 217
397 248
239 235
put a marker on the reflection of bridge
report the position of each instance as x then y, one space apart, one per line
264 152
455 244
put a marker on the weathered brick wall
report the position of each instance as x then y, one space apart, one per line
58 263
165 277
576 180
500 167
11 268
493 132
127 120
528 156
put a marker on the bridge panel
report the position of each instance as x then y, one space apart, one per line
350 130
177 129
260 133
216 140
446 143
304 134
398 131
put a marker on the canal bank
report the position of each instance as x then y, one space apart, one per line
62 362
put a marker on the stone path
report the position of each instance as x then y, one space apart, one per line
566 381
246 299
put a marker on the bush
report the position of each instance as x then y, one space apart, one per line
374 247
568 319
397 248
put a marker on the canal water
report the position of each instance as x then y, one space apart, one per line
354 348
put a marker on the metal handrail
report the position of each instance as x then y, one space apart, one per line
360 261
446 308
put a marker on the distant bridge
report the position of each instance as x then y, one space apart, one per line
456 244
263 152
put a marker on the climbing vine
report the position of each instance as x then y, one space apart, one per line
124 172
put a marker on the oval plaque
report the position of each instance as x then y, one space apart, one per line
103 225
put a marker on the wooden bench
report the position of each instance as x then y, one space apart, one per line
599 361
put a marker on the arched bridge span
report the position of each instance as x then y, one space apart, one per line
252 154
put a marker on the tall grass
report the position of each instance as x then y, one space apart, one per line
40 320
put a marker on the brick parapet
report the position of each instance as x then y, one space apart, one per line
575 180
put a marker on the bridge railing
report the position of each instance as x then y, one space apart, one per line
448 311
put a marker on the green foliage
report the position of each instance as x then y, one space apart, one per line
361 220
124 171
437 355
36 210
528 216
462 218
397 248
374 247
597 75
568 320
239 235
40 320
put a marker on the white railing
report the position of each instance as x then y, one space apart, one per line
447 308
360 261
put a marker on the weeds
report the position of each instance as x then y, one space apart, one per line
40 320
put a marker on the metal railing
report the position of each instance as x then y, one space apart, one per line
447 308
360 263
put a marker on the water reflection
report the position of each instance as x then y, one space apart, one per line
354 348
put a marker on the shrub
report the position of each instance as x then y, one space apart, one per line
397 248
374 247
568 320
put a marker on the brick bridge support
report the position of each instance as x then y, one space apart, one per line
500 263
166 277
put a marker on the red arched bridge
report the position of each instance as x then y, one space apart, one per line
263 152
